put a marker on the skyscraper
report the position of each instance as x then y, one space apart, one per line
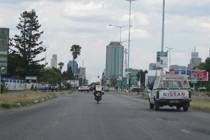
74 66
195 60
114 59
54 61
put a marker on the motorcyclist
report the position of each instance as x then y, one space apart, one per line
98 88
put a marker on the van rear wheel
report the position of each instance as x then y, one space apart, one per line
156 107
185 107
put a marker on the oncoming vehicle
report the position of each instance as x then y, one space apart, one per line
171 90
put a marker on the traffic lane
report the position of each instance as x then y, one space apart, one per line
166 123
77 116
29 122
128 117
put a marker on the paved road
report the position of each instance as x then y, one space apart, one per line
117 117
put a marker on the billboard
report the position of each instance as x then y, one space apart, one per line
162 60
175 71
4 45
194 75
202 75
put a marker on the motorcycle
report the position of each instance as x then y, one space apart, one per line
98 95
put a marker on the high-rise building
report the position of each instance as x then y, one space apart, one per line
82 71
54 61
194 61
74 66
114 59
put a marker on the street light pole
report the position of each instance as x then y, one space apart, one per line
170 56
120 27
129 31
162 42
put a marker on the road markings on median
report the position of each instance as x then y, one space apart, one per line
185 131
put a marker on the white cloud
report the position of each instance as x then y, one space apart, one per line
85 22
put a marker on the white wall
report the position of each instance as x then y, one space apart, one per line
21 86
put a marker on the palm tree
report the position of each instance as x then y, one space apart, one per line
76 50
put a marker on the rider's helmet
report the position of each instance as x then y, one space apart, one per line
97 83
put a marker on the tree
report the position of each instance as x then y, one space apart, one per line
205 66
25 47
141 76
50 76
68 75
208 65
76 50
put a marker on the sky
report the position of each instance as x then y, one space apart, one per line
86 23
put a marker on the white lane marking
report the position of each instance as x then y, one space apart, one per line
185 131
54 124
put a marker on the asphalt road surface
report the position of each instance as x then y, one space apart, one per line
77 116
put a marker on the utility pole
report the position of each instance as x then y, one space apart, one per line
162 43
129 32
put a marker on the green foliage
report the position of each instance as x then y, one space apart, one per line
6 105
50 76
208 65
67 85
68 75
25 47
113 82
2 86
208 94
205 66
141 75
76 50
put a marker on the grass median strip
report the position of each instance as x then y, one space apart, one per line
202 104
23 98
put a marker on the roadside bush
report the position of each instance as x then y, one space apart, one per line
208 94
16 105
6 105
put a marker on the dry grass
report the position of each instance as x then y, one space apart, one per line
198 93
202 104
24 97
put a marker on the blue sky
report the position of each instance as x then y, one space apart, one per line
85 22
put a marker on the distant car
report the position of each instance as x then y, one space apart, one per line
202 89
112 89
105 88
84 88
91 88
136 89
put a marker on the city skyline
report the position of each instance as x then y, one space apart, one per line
86 23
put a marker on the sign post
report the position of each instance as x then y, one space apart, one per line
194 79
4 45
162 60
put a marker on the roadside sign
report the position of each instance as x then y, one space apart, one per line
202 75
194 78
162 60
4 45
134 80
127 72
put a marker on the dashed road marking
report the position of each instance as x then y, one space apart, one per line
185 131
